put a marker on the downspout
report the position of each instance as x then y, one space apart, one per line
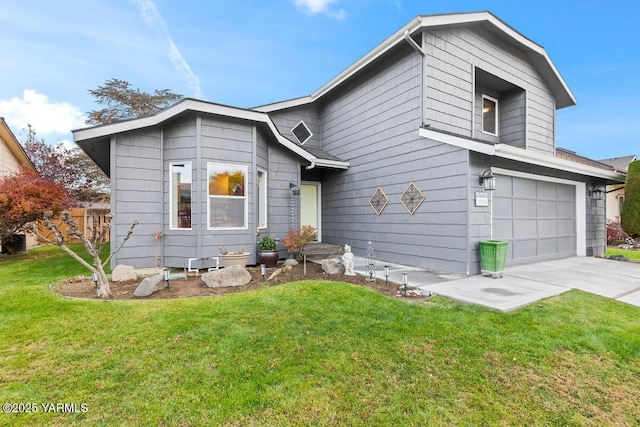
311 166
417 48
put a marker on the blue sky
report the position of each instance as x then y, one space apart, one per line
252 52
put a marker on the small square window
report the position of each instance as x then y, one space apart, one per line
489 115
301 132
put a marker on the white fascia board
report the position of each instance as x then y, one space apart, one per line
197 106
333 164
283 105
522 155
457 141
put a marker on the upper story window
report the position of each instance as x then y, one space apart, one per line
180 195
489 115
227 207
301 132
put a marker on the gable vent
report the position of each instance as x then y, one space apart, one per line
301 132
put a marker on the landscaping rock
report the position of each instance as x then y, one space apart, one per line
332 266
150 285
123 273
618 258
235 275
290 261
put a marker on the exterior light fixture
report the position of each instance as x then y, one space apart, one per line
165 273
386 274
488 180
295 190
405 282
94 277
263 271
595 193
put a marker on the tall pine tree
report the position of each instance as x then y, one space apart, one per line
630 217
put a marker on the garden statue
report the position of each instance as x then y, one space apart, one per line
347 260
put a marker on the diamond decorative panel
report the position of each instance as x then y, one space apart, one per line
412 198
378 201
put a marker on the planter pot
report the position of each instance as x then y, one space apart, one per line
235 259
268 258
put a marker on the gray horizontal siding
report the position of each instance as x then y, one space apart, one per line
286 120
451 56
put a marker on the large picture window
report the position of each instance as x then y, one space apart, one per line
489 115
262 199
180 195
227 206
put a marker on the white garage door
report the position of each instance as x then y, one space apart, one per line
537 218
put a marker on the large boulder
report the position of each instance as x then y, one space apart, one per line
150 285
332 266
124 273
236 275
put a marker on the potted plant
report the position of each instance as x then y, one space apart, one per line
267 252
234 257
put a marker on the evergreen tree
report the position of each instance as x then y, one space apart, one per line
630 216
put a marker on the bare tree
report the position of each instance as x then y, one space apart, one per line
93 244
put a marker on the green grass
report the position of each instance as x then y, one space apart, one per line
633 254
310 353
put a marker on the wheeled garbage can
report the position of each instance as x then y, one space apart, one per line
493 255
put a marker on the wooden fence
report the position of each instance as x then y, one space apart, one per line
87 219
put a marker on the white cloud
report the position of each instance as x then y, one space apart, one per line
152 17
320 6
45 116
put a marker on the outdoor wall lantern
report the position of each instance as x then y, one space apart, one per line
595 193
488 180
165 274
405 282
94 277
386 274
295 190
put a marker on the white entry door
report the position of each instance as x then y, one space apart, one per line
310 206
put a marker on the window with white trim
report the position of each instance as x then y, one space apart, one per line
261 188
227 207
180 195
489 115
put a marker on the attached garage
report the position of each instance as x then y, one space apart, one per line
537 216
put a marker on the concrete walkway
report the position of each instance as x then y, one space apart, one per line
524 284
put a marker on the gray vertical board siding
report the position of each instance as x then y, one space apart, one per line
138 195
285 120
179 141
227 141
451 56
373 124
284 168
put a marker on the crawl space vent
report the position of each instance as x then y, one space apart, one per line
301 132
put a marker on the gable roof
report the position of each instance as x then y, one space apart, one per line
13 145
95 141
620 163
536 53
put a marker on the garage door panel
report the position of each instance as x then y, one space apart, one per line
547 246
524 187
537 218
547 190
547 228
524 228
524 208
566 209
525 248
547 209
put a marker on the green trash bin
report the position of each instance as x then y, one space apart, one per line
493 255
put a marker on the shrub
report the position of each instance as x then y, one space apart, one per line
615 233
297 239
630 216
267 244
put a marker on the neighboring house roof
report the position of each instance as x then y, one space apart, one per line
14 146
95 141
620 163
563 153
536 53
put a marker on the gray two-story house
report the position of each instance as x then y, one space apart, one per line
441 136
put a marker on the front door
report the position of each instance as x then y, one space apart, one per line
310 206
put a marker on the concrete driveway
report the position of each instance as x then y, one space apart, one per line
526 284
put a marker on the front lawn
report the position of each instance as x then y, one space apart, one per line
633 254
309 353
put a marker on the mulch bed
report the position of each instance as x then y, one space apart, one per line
82 287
